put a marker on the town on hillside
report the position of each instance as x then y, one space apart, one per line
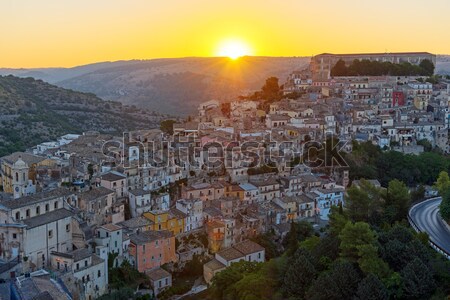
163 211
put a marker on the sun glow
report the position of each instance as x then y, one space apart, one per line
233 49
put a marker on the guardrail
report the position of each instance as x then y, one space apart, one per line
417 229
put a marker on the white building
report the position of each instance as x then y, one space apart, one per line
90 271
327 198
193 208
109 236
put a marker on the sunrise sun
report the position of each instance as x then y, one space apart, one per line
233 49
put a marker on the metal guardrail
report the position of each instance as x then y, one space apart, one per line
417 229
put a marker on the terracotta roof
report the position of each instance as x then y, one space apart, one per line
248 247
111 227
158 274
230 254
214 265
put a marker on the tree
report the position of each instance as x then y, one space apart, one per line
362 201
339 69
166 126
267 241
299 275
352 237
427 66
338 219
340 283
371 288
427 146
443 182
299 231
222 282
397 200
271 89
418 282
444 207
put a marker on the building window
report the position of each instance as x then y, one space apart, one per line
78 266
56 205
38 210
85 263
17 216
14 235
50 233
47 207
67 227
27 213
99 273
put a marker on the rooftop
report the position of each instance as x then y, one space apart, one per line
230 254
113 176
48 217
36 198
96 193
149 236
215 265
30 159
248 247
158 274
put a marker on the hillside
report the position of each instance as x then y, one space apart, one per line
176 85
173 86
33 111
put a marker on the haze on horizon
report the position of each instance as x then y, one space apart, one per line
52 33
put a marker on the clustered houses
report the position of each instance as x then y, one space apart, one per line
232 172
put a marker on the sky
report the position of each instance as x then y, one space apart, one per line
66 33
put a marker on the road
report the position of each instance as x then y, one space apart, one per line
426 217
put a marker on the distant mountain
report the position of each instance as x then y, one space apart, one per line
174 86
32 112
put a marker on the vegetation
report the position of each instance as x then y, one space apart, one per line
34 112
368 251
166 126
443 186
370 162
358 257
126 276
374 68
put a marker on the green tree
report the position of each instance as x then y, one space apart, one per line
338 220
362 201
428 67
442 183
397 200
353 237
444 207
340 283
222 283
418 282
299 275
371 288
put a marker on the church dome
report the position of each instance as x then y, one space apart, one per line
20 164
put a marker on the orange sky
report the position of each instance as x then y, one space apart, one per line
50 33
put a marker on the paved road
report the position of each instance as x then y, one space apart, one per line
426 216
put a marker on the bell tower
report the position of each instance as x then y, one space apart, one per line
19 172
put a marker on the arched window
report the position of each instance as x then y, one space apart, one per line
17 177
17 215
